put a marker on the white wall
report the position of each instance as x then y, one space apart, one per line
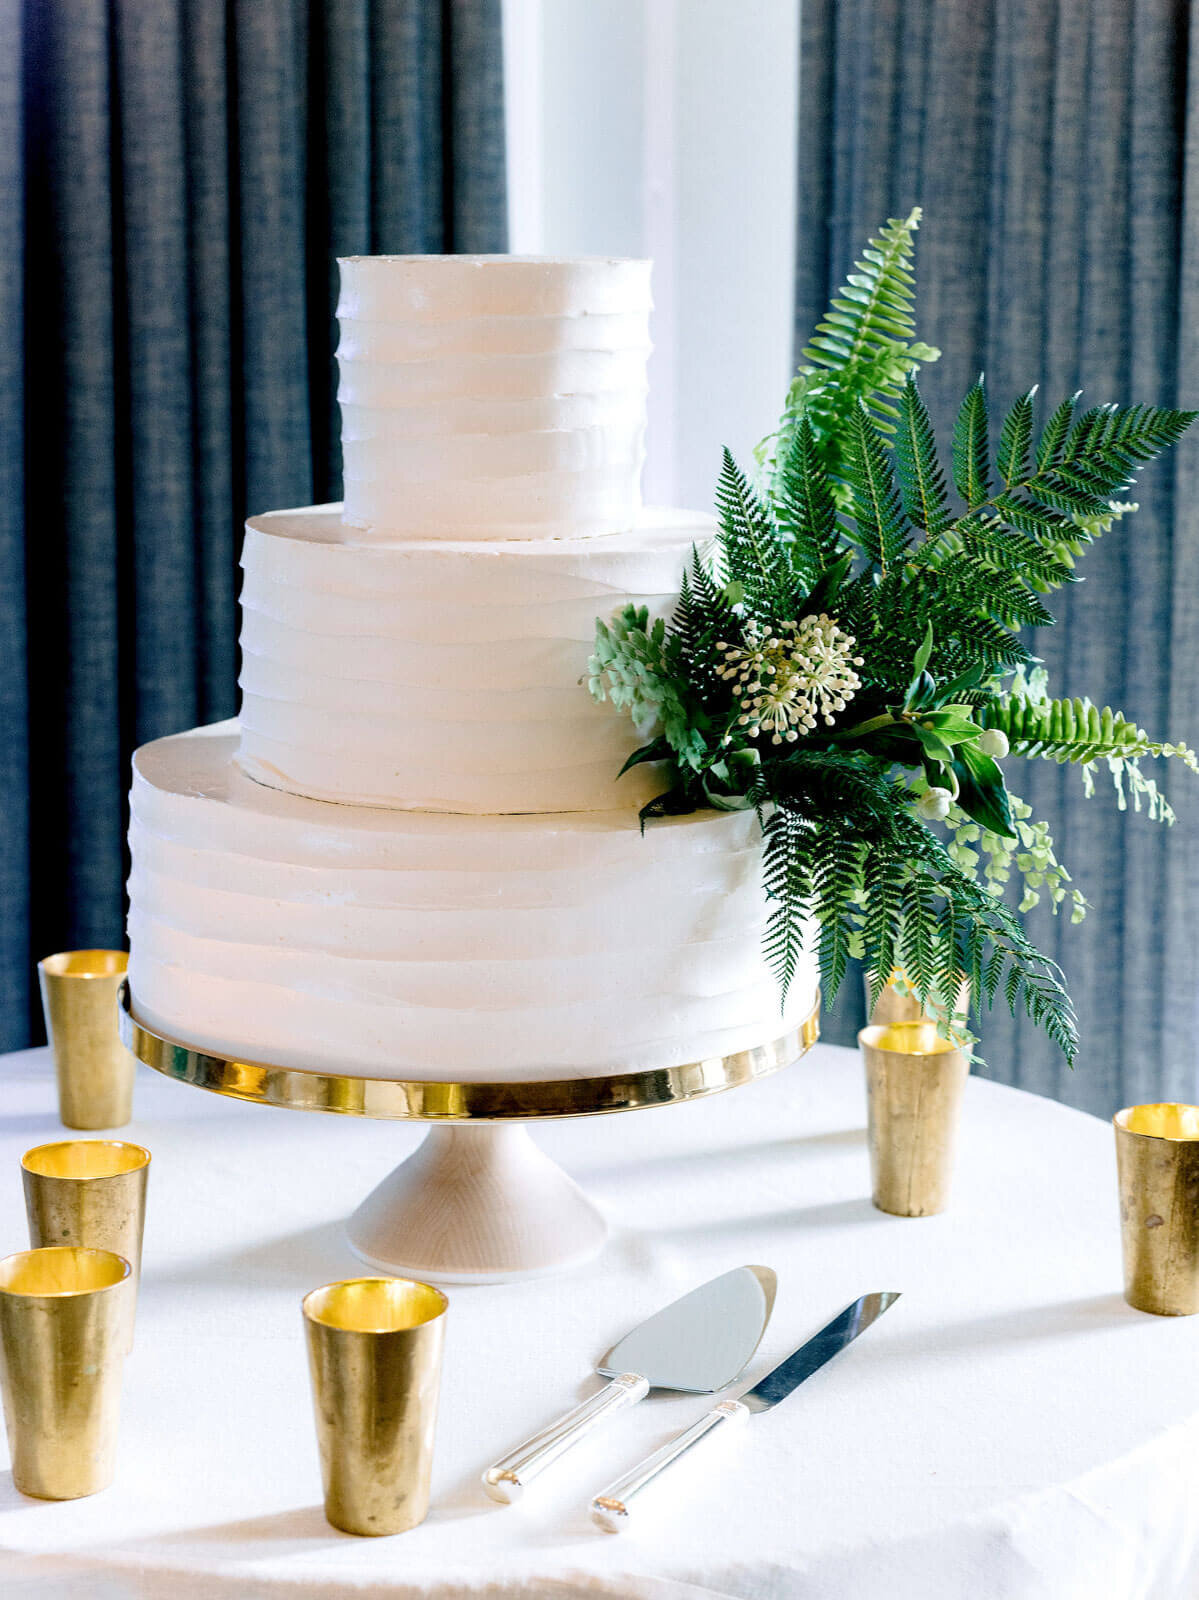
668 128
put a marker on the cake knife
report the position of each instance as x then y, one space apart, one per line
610 1510
698 1344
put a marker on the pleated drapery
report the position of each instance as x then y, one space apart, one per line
176 179
1055 150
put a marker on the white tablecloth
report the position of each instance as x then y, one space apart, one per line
1011 1430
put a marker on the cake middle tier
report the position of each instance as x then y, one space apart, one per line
444 677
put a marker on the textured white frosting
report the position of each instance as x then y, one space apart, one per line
491 397
444 676
416 945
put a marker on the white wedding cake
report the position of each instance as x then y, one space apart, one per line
411 856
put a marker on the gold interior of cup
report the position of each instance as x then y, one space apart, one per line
85 964
1166 1120
907 1038
375 1305
85 1158
61 1270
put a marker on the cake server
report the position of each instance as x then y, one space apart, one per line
610 1510
698 1344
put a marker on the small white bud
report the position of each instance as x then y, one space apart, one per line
994 742
933 805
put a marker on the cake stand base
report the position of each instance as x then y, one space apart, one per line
476 1203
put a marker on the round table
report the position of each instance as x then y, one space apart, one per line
1010 1429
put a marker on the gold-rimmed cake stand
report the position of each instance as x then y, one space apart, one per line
478 1201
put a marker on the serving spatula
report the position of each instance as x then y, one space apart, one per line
697 1344
610 1510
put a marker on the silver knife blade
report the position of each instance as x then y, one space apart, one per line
822 1347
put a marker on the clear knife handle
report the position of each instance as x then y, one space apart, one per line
610 1510
506 1480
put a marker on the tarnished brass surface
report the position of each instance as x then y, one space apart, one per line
1157 1158
88 1192
93 1067
423 1101
64 1316
914 1085
374 1352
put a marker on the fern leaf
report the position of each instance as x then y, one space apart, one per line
804 507
1053 435
971 448
1072 730
1015 440
1012 551
883 877
836 880
874 308
918 933
921 479
753 554
862 350
878 509
786 867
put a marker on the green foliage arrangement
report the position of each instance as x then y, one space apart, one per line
849 659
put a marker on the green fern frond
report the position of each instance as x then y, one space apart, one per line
753 555
804 507
701 617
1074 730
881 528
862 350
1009 550
835 884
1053 435
972 448
921 478
786 874
1015 440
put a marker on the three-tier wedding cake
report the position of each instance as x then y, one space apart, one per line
411 856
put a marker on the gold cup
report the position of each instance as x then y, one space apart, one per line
94 1069
63 1320
914 1085
89 1192
374 1351
1157 1157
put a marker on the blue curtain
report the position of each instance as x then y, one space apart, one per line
176 178
1055 149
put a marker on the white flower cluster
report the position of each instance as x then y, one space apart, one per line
788 677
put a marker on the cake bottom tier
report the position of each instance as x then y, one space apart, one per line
462 948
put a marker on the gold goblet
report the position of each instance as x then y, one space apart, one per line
1157 1158
94 1069
915 1080
63 1335
89 1192
374 1351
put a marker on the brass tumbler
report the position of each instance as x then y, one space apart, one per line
914 1085
94 1069
89 1192
63 1319
1157 1157
374 1351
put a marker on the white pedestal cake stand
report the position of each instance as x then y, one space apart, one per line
478 1202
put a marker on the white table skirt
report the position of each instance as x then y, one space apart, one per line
1011 1430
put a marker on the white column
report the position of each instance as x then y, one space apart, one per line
668 128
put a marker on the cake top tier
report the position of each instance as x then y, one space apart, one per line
491 397
432 289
